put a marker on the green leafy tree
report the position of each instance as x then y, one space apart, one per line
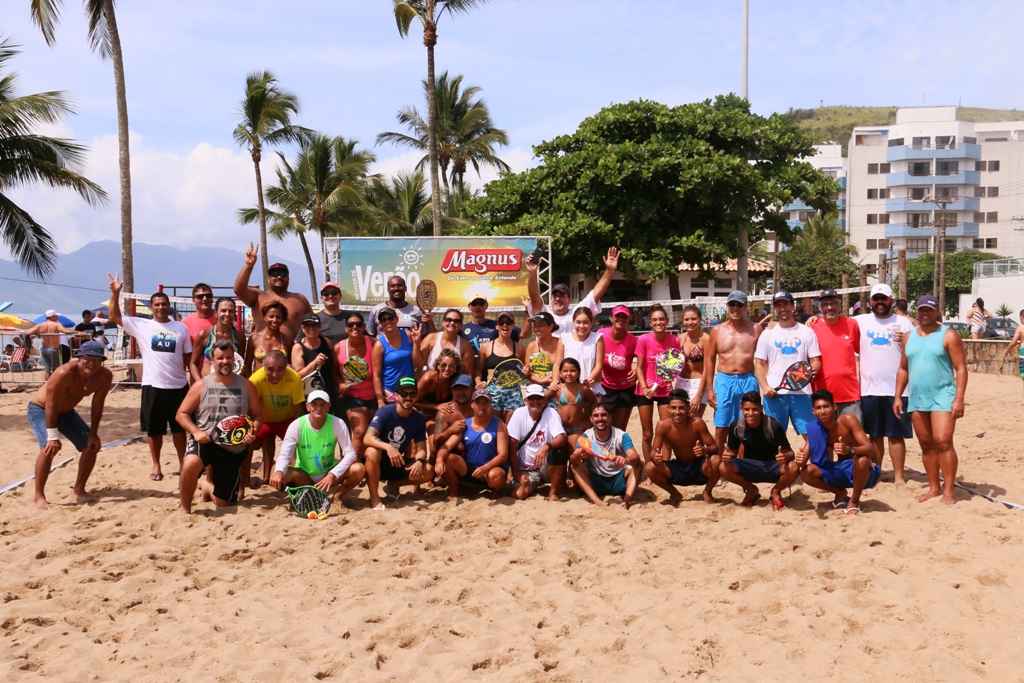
266 119
818 257
26 158
105 39
323 192
429 13
466 136
664 183
959 274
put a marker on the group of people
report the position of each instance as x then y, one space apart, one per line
388 398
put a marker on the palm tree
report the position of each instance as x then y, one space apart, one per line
429 13
466 135
322 192
104 39
401 205
29 158
266 120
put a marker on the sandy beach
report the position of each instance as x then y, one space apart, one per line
127 588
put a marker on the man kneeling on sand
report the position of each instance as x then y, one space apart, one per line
855 455
688 438
538 445
396 445
757 451
307 456
605 462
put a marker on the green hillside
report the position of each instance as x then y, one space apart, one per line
833 124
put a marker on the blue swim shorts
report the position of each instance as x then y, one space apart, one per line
787 407
840 474
728 390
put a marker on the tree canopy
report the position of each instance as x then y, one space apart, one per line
664 183
959 273
818 257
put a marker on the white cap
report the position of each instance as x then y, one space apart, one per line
534 390
317 394
881 288
50 313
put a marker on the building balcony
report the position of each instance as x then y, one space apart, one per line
908 153
904 204
956 230
961 178
798 205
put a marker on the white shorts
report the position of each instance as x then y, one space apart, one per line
690 385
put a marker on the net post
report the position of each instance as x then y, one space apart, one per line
845 283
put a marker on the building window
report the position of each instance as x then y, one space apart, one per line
993 166
917 244
872 193
979 216
945 218
991 243
993 191
872 219
921 143
989 166
920 168
872 244
887 168
945 142
871 268
872 169
918 193
883 244
947 167
919 220
948 194
992 217
884 193
977 243
883 219
949 245
979 191
896 142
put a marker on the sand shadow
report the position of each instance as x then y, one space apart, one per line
982 489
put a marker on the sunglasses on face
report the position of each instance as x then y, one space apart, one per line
504 323
202 296
353 324
330 293
454 321
278 273
407 394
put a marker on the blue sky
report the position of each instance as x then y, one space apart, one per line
543 66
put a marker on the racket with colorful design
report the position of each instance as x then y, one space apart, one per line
355 369
796 377
668 367
585 443
509 373
231 432
308 501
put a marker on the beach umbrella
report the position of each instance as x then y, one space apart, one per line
62 319
11 320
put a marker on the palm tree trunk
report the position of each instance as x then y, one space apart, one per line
430 39
323 257
447 192
309 264
123 158
264 259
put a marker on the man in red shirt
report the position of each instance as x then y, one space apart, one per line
204 317
839 340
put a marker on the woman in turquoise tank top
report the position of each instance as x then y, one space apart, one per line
934 366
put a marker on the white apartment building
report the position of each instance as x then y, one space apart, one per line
930 167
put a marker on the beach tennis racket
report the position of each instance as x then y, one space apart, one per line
797 376
308 501
230 432
509 373
668 367
239 363
426 296
584 443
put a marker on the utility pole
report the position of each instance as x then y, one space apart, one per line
743 239
939 273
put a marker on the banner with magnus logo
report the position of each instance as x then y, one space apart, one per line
463 268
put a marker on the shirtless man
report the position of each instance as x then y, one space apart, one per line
50 331
730 347
841 436
51 412
255 298
696 462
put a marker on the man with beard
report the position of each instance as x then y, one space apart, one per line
396 449
883 332
450 422
696 462
559 308
409 315
478 454
257 299
219 395
51 412
729 363
605 463
839 342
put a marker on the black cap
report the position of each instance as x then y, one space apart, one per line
782 296
927 301
505 316
277 266
544 317
478 301
829 294
560 287
311 319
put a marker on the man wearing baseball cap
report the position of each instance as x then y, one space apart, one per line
538 445
450 420
617 375
309 450
396 448
332 319
480 328
839 342
882 334
934 368
257 299
559 307
51 413
729 363
478 454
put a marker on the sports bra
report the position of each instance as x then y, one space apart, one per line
493 359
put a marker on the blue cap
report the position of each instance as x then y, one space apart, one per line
737 296
462 381
92 349
927 301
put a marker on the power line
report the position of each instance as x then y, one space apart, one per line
55 284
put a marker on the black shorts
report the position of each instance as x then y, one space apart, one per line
558 456
687 473
352 403
389 472
158 408
618 398
879 420
757 471
226 470
644 401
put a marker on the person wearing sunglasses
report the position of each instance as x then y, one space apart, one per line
205 315
297 305
395 355
450 337
354 354
396 448
332 318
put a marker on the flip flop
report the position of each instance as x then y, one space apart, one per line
156 476
778 503
853 510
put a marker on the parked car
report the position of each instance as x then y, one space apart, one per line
961 328
999 328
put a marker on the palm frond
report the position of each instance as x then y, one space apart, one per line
31 244
100 36
405 13
45 15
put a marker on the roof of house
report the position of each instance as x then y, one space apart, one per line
753 266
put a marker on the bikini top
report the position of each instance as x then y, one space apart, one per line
695 354
577 398
211 340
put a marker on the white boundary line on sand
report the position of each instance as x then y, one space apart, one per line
110 444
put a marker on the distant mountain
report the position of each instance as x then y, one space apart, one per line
834 124
80 272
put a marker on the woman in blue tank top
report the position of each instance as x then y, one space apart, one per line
935 368
395 355
481 456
